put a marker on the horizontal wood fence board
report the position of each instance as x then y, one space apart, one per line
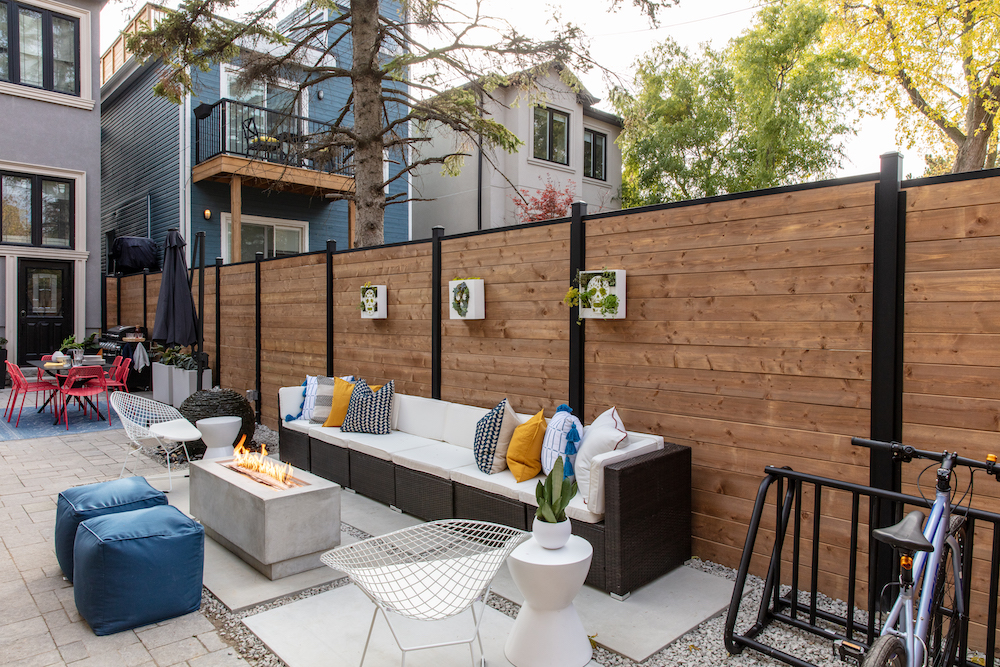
454 264
958 285
949 224
509 329
952 349
804 335
848 278
982 317
524 348
487 399
953 254
941 379
771 308
958 194
506 238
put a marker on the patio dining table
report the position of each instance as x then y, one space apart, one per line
60 373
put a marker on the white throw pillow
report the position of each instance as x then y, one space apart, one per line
606 434
290 402
554 443
309 399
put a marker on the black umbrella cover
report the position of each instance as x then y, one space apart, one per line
176 318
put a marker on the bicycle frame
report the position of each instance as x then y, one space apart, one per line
925 567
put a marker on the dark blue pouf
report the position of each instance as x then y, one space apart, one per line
136 568
86 502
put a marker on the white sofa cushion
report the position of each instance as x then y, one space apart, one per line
638 443
438 460
502 483
300 425
384 446
460 424
421 416
576 509
329 434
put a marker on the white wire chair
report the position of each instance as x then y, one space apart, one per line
429 572
138 414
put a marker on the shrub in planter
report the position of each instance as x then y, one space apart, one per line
218 403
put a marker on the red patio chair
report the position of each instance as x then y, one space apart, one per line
112 373
23 387
41 373
91 382
117 377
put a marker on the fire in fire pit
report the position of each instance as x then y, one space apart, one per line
261 469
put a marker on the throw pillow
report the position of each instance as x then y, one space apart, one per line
309 399
369 411
342 390
493 434
524 453
324 399
563 428
290 402
606 434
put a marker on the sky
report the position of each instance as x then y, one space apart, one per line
617 40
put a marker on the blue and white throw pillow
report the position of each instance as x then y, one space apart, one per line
368 411
493 434
309 400
561 435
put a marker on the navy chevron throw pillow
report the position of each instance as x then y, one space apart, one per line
368 411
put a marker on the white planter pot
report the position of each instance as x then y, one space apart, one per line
373 302
162 382
551 535
590 279
186 383
476 308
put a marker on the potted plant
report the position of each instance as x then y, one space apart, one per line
373 302
69 343
185 378
90 345
599 294
162 361
467 300
551 528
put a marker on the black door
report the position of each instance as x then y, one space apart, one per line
45 307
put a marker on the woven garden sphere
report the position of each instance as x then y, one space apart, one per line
218 403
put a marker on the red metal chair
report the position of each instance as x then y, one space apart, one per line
23 387
41 373
84 382
112 373
117 377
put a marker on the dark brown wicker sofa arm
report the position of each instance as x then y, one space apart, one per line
647 514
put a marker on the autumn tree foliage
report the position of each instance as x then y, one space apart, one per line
937 65
545 204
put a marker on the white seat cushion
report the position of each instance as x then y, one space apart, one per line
421 416
300 425
329 434
460 424
576 509
438 460
501 483
384 446
638 443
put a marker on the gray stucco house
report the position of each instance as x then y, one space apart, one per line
50 178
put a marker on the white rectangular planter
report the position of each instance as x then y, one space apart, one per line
373 302
587 280
162 382
186 383
476 306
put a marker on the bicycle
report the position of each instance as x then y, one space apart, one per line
928 632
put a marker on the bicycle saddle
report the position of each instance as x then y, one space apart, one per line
906 534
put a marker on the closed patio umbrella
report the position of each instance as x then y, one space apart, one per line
176 319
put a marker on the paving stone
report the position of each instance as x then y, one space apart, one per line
212 641
39 660
177 652
223 658
57 618
26 647
175 630
74 651
11 632
47 601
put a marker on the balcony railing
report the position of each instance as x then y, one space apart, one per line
229 127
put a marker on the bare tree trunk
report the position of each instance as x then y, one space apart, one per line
972 152
369 196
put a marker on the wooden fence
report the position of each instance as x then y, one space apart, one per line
749 333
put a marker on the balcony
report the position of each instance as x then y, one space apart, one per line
244 144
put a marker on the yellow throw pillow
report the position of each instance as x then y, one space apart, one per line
342 390
524 456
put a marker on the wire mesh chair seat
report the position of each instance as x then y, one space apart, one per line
137 414
431 571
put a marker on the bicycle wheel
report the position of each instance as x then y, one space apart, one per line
887 651
945 630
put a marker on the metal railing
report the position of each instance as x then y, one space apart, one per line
788 608
229 127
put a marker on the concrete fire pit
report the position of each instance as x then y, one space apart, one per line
278 532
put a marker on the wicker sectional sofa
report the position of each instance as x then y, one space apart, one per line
425 467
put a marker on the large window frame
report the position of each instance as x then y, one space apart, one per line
595 163
37 209
549 150
277 224
11 10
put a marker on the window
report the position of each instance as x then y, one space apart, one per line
594 154
36 210
551 135
273 237
39 48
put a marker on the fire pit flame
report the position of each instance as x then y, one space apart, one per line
255 462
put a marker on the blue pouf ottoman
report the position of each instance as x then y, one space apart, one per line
85 502
136 568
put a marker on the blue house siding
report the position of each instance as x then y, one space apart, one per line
139 157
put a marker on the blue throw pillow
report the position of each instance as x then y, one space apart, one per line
368 411
493 434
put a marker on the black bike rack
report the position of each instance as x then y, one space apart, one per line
807 521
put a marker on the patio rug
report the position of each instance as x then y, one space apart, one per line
39 425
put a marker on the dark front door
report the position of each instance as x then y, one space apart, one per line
45 307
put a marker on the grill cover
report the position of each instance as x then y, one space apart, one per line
132 254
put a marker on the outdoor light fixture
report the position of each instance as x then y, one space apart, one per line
208 214
319 95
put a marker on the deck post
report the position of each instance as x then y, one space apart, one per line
235 211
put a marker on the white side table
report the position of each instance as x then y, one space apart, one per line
548 630
219 434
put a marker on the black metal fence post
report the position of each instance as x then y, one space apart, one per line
257 260
887 341
218 321
331 247
145 302
104 301
577 333
199 241
118 299
437 233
